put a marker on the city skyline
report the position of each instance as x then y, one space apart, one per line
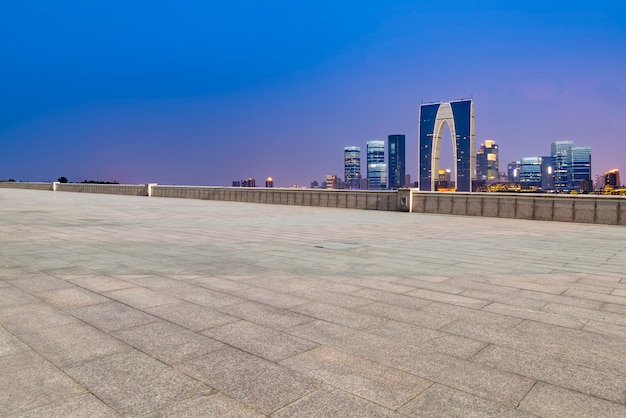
207 93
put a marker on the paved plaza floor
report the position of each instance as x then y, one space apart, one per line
136 306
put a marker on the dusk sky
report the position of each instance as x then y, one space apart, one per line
206 92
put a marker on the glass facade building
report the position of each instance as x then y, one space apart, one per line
459 116
530 173
487 161
581 169
376 167
561 153
352 167
397 161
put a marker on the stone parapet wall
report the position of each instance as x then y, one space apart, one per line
610 210
25 186
122 189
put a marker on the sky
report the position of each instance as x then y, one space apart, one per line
207 92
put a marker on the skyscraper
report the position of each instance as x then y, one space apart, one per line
611 178
459 116
376 167
561 152
487 161
512 170
397 161
581 169
352 167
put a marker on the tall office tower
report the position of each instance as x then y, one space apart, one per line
352 167
581 169
487 161
459 116
269 182
512 171
611 178
561 152
530 173
547 173
376 167
397 161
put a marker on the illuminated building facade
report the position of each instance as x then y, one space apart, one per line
376 167
459 117
487 161
352 167
530 173
581 169
397 161
561 152
611 178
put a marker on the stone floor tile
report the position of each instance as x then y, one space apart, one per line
270 297
29 381
100 284
583 379
332 402
259 340
554 401
404 333
38 283
168 342
338 315
476 316
380 384
410 316
71 297
535 315
112 316
369 295
133 383
191 316
333 298
140 297
442 401
560 299
453 299
11 296
71 344
483 381
207 404
453 345
33 316
267 315
85 405
260 384
9 344
349 340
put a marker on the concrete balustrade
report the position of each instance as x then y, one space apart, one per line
610 210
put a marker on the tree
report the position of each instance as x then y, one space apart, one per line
62 179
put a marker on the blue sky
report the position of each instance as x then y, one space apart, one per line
205 92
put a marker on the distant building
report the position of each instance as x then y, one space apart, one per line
561 153
611 178
333 182
269 182
249 182
530 173
352 167
315 184
581 169
397 161
376 167
444 180
487 161
547 173
459 117
512 171
236 183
